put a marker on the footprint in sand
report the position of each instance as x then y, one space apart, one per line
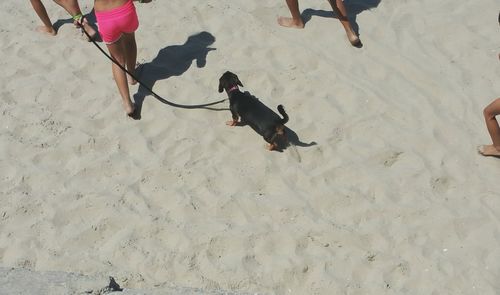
391 158
216 249
398 274
440 184
250 263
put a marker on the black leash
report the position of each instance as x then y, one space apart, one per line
183 106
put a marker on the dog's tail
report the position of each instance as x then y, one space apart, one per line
281 109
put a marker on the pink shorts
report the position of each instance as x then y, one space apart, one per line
114 22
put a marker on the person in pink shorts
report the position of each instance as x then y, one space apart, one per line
117 22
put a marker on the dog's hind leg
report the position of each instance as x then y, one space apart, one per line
273 144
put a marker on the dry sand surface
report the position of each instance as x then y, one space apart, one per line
383 192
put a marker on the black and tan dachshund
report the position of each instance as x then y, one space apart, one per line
249 110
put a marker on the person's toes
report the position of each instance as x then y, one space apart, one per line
480 149
354 40
488 150
135 114
45 30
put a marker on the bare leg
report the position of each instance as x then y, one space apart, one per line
130 47
88 28
492 110
117 51
295 21
72 7
42 14
339 8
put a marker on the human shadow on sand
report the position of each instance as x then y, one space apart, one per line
354 8
173 60
283 142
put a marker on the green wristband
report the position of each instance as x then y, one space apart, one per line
79 16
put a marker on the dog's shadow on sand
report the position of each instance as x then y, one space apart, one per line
354 8
293 139
173 60
283 142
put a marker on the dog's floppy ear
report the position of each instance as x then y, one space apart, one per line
235 79
220 87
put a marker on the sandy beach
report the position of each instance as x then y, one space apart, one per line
383 191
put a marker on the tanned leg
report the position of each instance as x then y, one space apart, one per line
296 20
130 49
490 113
117 52
339 8
44 17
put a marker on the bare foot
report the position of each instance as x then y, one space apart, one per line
232 123
135 113
46 30
129 108
290 22
355 41
488 150
353 38
131 80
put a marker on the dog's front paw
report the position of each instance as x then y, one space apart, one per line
272 147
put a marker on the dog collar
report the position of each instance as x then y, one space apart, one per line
235 87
